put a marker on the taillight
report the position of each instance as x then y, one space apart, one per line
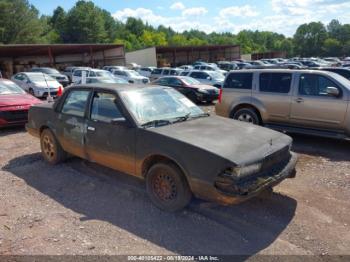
220 95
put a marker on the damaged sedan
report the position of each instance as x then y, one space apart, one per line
157 134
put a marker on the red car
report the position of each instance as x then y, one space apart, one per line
14 104
190 87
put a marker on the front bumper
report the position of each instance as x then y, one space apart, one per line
211 193
206 97
13 118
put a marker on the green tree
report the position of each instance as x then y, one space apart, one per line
19 22
178 40
309 39
332 47
149 38
85 24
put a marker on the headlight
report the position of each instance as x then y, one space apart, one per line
243 171
202 90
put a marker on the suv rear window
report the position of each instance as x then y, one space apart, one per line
275 82
239 81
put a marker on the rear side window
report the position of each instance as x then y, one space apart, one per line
275 82
239 81
166 72
157 71
75 103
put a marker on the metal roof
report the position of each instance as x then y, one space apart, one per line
163 49
55 49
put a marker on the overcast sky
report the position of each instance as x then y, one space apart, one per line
282 16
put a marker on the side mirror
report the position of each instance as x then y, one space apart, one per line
209 78
333 91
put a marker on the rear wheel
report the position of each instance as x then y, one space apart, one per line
167 187
247 115
50 148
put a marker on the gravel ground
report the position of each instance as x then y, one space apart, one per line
83 208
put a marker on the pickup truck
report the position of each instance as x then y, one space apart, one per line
157 134
312 102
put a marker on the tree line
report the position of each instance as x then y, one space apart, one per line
21 23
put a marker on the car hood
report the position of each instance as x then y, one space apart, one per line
240 143
18 99
57 75
208 87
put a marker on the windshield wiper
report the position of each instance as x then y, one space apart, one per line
182 118
157 122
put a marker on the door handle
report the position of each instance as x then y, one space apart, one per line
91 128
299 100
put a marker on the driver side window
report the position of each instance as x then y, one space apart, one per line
315 85
104 108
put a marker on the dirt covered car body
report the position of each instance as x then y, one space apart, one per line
158 134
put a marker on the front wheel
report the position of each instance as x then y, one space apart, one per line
247 115
167 187
50 148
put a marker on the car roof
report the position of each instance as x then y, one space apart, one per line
32 73
117 87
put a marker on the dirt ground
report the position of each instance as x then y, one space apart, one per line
83 208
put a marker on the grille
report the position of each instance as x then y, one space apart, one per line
19 115
275 158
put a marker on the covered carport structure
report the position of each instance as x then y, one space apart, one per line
22 57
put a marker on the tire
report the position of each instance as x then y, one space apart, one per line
51 149
247 115
167 187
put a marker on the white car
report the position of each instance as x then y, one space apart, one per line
131 76
111 68
213 78
146 71
209 67
37 84
77 74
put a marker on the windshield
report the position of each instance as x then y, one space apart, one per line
40 77
216 75
133 73
104 74
8 87
158 104
190 81
48 70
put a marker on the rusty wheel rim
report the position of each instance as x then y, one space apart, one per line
49 147
164 187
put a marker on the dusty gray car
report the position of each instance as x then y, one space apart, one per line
300 101
157 134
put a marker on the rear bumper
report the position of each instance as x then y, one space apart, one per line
210 193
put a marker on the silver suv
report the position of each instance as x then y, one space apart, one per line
299 101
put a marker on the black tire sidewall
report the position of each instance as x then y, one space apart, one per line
247 111
183 191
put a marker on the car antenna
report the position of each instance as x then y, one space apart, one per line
49 97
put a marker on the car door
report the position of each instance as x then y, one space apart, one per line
20 80
71 126
76 77
178 85
312 107
274 93
110 139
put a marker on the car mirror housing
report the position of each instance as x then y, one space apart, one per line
209 78
333 91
